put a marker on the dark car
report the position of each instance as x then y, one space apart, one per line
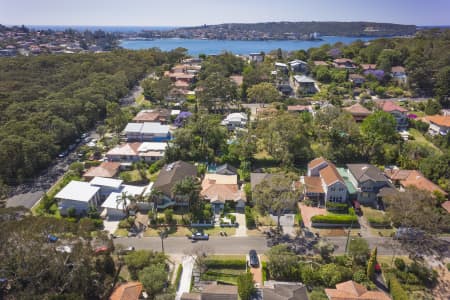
63 154
253 259
200 236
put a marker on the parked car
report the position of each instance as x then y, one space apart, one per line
127 250
64 249
101 249
51 238
200 236
408 233
63 154
253 259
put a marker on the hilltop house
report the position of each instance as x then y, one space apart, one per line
168 177
281 67
147 132
300 108
344 63
358 112
78 195
277 290
398 74
304 84
299 66
127 291
235 120
368 180
398 112
256 57
439 125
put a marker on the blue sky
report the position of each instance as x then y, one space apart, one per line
198 12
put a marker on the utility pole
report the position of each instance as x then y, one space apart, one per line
348 238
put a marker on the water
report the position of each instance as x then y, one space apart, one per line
196 47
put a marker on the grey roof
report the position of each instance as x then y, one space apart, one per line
303 79
285 291
133 127
154 127
257 178
226 169
172 173
78 191
364 172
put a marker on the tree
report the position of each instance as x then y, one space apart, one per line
188 189
358 250
263 92
432 107
157 90
442 88
154 279
101 130
138 260
275 196
325 249
116 119
246 286
380 126
200 253
330 275
282 263
216 91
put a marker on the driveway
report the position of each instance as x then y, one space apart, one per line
308 212
111 226
242 229
186 276
287 222
256 272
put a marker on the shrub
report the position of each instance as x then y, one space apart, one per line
341 208
168 216
225 264
379 222
360 276
232 218
249 219
124 224
335 219
93 163
400 264
71 212
397 291
156 166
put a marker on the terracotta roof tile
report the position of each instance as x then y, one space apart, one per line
443 121
351 290
105 169
358 109
389 106
315 162
415 178
446 206
313 184
330 174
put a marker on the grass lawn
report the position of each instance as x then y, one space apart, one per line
215 231
121 232
131 176
173 231
140 100
224 275
418 137
152 177
387 259
227 257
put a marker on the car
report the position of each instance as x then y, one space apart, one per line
200 236
63 154
51 238
91 144
84 135
253 259
87 139
127 250
64 249
101 249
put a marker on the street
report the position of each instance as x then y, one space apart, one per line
242 245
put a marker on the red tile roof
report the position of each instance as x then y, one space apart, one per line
298 108
105 169
446 206
316 161
313 184
415 178
351 290
389 106
358 109
443 121
398 69
330 175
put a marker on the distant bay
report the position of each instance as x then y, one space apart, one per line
197 46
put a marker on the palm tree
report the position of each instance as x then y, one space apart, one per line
188 189
127 201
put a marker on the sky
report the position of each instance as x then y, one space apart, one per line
199 12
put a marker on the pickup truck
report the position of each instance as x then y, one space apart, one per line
200 236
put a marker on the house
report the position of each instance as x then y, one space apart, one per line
398 112
147 132
152 115
439 125
358 112
114 205
334 188
281 67
304 84
398 74
257 178
404 178
214 292
344 63
106 185
151 151
127 152
127 291
368 67
351 290
235 120
446 206
368 180
320 63
218 189
277 290
106 169
356 79
299 66
300 108
311 188
256 57
225 169
168 177
78 195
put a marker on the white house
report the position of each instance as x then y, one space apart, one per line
133 152
256 57
115 206
79 195
106 185
235 120
298 65
439 125
147 132
151 151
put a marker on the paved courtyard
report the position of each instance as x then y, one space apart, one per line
308 212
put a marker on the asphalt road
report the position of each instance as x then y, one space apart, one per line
241 245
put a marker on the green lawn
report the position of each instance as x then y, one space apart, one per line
121 232
215 231
223 274
131 176
140 100
418 137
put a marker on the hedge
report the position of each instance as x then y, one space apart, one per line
225 264
379 222
249 218
397 292
337 207
335 219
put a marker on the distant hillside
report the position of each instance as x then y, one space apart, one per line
289 30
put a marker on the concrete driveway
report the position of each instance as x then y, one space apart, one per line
242 229
186 276
111 226
287 222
